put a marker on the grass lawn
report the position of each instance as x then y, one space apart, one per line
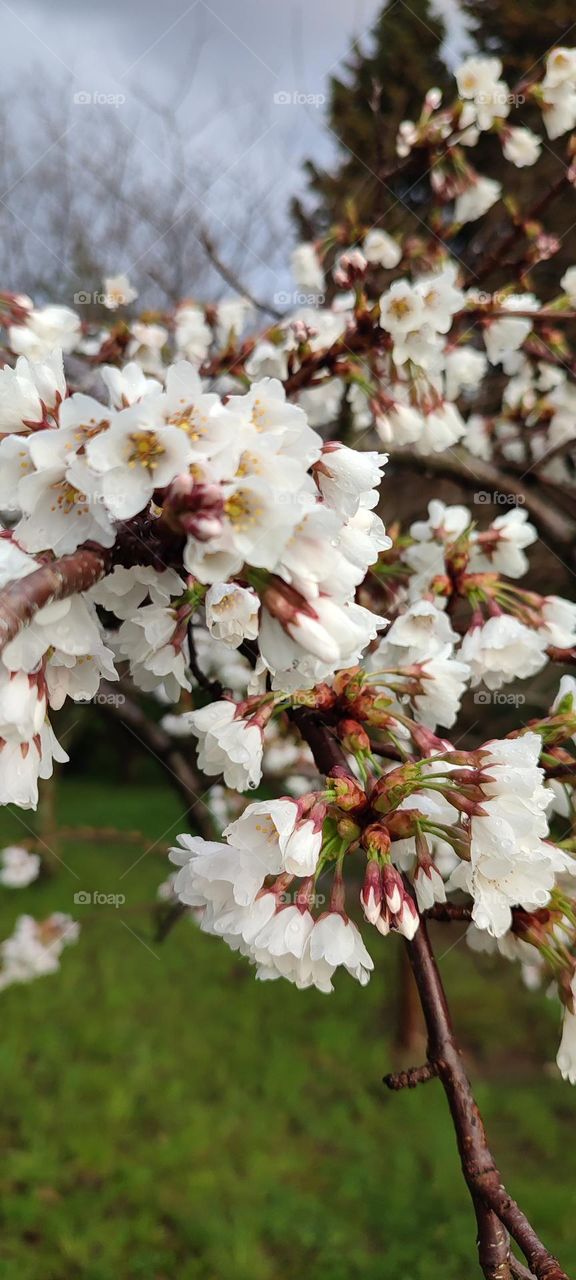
166 1116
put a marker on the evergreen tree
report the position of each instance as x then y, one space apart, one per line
385 82
379 87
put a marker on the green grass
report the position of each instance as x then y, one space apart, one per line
165 1116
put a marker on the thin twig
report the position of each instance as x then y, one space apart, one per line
410 1078
230 277
213 687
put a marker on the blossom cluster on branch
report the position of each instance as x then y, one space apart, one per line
238 557
180 512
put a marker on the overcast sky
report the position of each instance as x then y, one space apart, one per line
228 60
249 78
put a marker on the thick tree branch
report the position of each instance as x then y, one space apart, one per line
21 600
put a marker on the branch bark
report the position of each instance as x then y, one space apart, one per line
20 601
494 1206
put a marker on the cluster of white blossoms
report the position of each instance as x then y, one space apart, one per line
176 512
239 485
244 890
34 948
18 867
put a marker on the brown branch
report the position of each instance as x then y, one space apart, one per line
477 475
447 912
410 1078
519 1271
168 919
496 256
496 1212
21 600
480 1172
230 277
323 744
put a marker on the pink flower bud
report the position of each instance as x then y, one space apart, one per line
407 919
371 893
349 795
392 888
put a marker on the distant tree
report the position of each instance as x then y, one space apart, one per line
375 93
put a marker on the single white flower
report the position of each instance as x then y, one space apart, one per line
401 424
44 330
429 886
464 369
336 940
401 309
227 744
23 763
500 549
278 821
501 650
380 249
127 385
568 283
477 75
232 613
232 316
18 867
63 508
35 947
441 298
511 862
193 336
521 146
30 389
559 109
476 200
135 456
155 642
346 476
560 67
118 292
